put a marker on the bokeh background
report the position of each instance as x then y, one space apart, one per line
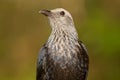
23 31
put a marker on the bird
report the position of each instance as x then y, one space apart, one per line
63 56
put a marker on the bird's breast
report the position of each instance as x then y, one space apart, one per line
63 56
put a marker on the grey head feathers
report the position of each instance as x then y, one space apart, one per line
61 20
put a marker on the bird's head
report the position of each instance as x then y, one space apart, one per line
59 18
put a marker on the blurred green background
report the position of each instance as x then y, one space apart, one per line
23 31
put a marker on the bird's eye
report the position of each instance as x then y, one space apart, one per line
62 13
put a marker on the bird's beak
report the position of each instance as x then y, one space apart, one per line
45 12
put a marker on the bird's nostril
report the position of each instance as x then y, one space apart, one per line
47 10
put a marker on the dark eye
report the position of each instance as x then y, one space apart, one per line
62 13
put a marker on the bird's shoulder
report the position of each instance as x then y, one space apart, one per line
83 54
42 53
83 60
41 62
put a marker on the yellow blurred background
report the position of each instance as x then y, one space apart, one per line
23 31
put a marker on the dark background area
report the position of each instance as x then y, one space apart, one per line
23 31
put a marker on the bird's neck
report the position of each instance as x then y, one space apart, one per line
62 37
